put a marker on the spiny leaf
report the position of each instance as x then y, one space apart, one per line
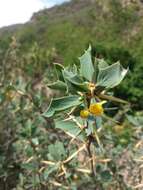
74 82
102 64
59 69
61 104
71 128
111 76
86 69
58 85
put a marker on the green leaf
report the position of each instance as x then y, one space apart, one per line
98 64
111 76
56 151
58 85
135 120
61 104
50 170
29 166
106 176
74 82
98 121
35 141
59 69
86 68
72 77
90 130
102 64
71 128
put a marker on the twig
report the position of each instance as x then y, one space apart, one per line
74 154
76 135
90 156
112 98
138 186
48 162
57 184
83 170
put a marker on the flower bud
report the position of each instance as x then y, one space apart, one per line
84 113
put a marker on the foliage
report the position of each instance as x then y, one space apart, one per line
82 137
35 153
85 117
120 39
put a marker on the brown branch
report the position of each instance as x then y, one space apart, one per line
88 146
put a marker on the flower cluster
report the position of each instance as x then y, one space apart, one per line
95 109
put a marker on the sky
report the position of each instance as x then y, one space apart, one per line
20 11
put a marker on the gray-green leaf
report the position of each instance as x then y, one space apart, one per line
111 76
61 104
58 85
59 69
86 69
56 151
74 81
71 128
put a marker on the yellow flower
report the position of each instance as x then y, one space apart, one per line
84 113
96 108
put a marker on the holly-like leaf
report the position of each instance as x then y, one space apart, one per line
58 85
60 104
98 121
102 64
111 76
59 69
98 63
71 128
86 65
74 82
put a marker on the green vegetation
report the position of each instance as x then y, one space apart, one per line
112 27
41 60
33 145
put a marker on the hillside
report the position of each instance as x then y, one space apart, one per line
114 28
